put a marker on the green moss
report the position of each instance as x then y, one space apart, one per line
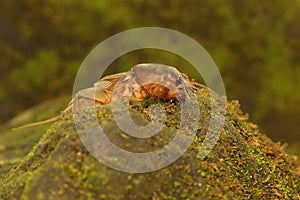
244 164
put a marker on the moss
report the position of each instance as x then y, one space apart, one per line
244 164
14 145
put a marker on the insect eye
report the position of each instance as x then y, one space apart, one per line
178 81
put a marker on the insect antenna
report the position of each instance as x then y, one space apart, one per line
54 119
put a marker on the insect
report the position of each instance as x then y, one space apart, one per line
141 82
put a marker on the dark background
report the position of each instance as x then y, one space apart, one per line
254 43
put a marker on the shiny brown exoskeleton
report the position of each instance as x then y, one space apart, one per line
141 82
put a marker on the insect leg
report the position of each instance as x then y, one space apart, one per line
90 97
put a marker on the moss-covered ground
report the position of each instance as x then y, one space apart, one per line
244 164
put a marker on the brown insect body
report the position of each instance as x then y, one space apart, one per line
141 82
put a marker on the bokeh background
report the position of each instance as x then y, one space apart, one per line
254 43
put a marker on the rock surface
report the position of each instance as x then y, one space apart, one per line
244 164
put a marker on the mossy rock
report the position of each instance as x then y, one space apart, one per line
244 164
14 145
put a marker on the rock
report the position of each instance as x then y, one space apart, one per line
244 163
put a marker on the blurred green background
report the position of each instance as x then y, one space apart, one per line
254 43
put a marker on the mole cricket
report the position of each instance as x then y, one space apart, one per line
140 83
